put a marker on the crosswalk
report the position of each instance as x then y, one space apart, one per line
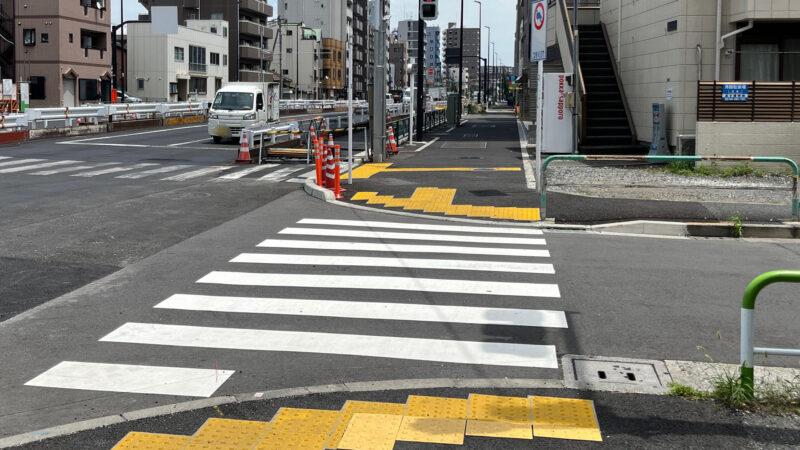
407 267
292 172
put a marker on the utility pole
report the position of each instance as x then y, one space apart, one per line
379 91
280 57
480 20
575 80
486 62
350 108
420 81
460 66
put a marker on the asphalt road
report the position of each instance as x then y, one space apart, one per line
621 296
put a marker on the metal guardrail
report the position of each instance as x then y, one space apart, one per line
14 121
293 105
542 184
747 350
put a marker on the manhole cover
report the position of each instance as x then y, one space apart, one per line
489 193
473 144
616 374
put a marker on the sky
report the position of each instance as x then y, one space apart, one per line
500 15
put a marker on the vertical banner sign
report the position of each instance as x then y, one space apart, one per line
557 115
539 31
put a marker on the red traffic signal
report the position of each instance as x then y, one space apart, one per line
429 10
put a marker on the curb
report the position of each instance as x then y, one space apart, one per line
366 386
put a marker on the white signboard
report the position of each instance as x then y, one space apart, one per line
8 87
557 116
164 19
539 31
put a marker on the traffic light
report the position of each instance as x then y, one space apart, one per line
428 10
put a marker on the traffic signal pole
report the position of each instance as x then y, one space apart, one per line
420 85
460 67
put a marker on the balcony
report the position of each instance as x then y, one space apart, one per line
197 68
256 6
254 29
191 4
254 76
250 52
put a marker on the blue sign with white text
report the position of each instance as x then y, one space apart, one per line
735 92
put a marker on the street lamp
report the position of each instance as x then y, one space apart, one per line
480 20
410 70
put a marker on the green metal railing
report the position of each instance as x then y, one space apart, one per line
542 184
747 332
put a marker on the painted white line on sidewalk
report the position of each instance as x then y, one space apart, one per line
281 173
403 248
132 378
368 310
73 169
410 263
438 350
17 162
38 166
197 173
419 226
247 171
451 129
147 173
187 143
132 134
527 165
427 145
366 234
382 283
113 170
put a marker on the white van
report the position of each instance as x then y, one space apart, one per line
241 105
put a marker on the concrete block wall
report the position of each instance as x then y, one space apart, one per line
741 10
749 139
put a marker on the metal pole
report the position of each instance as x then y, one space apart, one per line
539 102
280 58
488 57
576 85
350 109
420 90
122 46
480 27
297 63
411 110
379 92
460 66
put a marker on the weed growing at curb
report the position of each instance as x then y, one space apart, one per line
681 390
773 397
736 227
690 169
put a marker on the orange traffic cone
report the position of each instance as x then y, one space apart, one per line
329 175
312 134
392 142
330 140
337 187
244 150
318 161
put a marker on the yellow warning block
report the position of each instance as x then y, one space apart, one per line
481 211
503 417
230 433
371 431
528 214
368 170
439 407
364 195
416 205
353 407
294 428
504 213
433 430
458 210
151 441
379 199
565 418
437 207
397 203
424 193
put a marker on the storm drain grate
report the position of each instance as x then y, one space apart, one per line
616 374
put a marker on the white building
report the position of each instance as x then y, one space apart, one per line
189 65
298 55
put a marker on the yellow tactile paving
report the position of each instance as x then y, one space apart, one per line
505 213
436 207
151 441
432 430
528 214
397 203
565 418
379 199
502 417
481 211
454 169
415 205
366 171
458 210
230 433
440 407
356 407
371 432
294 428
364 195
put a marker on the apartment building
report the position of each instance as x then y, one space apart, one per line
190 65
398 60
433 56
248 24
333 69
361 46
471 51
299 57
407 31
62 48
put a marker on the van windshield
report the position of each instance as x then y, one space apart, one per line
234 101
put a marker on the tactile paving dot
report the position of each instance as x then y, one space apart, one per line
371 432
230 432
151 441
434 430
299 428
353 407
440 407
501 409
565 418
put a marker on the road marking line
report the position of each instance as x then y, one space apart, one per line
20 161
137 379
247 171
112 170
415 226
197 173
5 157
73 169
281 173
131 134
38 166
402 248
426 145
406 263
530 177
368 310
365 234
105 145
147 173
438 350
453 169
383 283
187 143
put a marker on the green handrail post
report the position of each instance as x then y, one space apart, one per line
542 184
747 332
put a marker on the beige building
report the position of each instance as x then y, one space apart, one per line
298 55
333 69
63 48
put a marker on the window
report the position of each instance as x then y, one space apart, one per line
217 16
288 32
173 88
36 88
214 59
214 29
224 31
140 84
45 37
288 50
286 71
224 60
198 85
29 36
70 38
179 54
260 101
88 89
197 59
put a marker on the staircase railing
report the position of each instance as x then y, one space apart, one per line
580 94
619 84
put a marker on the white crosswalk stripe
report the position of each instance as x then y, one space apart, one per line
73 169
37 166
247 171
466 277
281 173
113 170
197 173
147 173
16 162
